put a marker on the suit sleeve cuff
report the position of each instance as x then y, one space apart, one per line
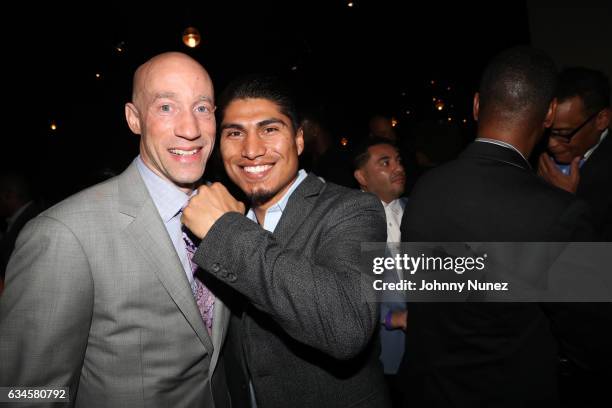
213 253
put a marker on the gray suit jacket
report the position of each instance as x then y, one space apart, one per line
305 331
96 299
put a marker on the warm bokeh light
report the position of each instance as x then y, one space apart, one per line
120 47
394 122
440 104
191 37
98 75
350 4
344 142
53 125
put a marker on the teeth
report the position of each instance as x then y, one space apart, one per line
257 169
184 152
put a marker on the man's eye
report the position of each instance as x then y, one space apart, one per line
165 108
203 109
232 133
385 163
270 129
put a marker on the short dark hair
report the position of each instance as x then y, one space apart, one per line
518 82
362 153
262 86
592 86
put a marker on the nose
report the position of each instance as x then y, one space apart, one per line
252 146
187 126
398 169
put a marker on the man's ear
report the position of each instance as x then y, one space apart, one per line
476 106
358 174
133 117
550 115
299 141
603 119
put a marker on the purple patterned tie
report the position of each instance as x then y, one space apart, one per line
204 297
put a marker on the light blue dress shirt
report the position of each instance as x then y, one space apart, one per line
273 216
169 200
274 213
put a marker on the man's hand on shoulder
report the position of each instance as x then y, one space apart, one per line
207 206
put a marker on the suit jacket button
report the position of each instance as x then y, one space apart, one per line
216 267
231 277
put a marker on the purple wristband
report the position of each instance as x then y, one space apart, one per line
388 320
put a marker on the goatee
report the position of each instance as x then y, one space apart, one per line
259 198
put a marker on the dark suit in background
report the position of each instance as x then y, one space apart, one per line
595 187
302 331
7 242
474 354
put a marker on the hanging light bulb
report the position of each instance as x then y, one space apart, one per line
440 104
191 37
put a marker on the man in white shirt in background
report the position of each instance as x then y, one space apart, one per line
379 170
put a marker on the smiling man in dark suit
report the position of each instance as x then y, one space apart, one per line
302 331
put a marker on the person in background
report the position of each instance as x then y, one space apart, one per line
17 207
579 145
379 170
494 354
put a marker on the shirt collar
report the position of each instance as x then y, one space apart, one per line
282 203
168 199
394 205
502 144
592 149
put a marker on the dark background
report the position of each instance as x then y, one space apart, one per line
347 63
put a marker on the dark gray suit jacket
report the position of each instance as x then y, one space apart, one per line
306 335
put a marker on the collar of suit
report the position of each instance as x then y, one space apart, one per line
498 152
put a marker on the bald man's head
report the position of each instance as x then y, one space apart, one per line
172 109
160 62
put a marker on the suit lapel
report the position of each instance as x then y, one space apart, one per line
149 235
221 320
298 207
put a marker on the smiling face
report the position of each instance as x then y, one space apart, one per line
260 149
172 110
383 174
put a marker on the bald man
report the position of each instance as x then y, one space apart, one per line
100 295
